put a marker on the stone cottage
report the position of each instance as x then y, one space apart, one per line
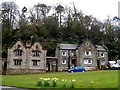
26 58
31 58
86 54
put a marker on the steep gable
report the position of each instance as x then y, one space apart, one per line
87 45
19 45
36 45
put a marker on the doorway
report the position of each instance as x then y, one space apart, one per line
73 62
98 64
48 66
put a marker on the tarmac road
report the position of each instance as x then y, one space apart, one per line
12 88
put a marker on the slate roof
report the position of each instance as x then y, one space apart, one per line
100 48
68 46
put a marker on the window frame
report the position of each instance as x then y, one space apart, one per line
88 53
64 53
35 63
17 62
64 61
102 54
36 53
86 61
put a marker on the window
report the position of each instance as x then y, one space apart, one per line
18 52
64 53
36 53
63 61
87 44
87 61
35 62
87 53
17 61
73 53
102 62
102 54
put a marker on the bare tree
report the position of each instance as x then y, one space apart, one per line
9 14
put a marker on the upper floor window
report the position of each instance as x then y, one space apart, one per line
36 53
17 61
73 53
102 54
18 51
63 61
64 53
87 53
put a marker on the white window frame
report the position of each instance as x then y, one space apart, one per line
64 53
89 53
86 61
102 55
64 61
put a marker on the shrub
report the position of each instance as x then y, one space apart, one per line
39 83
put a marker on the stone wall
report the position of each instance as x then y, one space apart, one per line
24 71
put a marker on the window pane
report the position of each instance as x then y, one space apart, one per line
64 53
63 61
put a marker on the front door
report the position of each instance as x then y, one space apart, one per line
98 64
73 62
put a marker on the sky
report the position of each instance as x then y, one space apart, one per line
101 9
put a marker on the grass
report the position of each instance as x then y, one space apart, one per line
89 79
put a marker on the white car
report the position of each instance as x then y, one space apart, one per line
116 66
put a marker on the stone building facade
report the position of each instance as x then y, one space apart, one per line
26 58
86 54
31 58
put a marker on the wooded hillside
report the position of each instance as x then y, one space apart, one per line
56 24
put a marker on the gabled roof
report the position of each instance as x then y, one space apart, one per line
85 42
100 48
67 46
16 42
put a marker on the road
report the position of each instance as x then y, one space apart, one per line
12 88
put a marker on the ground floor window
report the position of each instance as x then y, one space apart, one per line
102 62
36 62
87 61
17 61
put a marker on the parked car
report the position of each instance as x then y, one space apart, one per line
76 69
115 66
111 63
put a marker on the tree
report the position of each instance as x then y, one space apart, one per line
59 9
9 14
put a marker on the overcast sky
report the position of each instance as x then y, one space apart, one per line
100 9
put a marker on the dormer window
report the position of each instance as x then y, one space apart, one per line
87 53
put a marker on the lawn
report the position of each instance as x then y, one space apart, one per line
89 79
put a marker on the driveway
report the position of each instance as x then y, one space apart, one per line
12 88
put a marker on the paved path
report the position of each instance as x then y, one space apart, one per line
12 88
